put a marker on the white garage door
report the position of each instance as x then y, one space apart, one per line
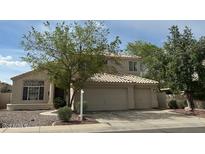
143 99
106 99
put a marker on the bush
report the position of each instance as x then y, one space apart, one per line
59 102
64 113
173 104
77 107
181 104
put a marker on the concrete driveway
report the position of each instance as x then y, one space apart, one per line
150 121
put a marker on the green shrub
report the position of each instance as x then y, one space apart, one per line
173 104
59 102
64 113
181 104
77 107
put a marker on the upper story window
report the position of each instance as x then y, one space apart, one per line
33 90
105 62
132 66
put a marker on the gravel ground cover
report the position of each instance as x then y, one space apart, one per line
33 118
25 119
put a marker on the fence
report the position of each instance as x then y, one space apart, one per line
163 100
5 98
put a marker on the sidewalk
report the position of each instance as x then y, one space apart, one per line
103 127
84 128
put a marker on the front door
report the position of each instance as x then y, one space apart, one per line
59 93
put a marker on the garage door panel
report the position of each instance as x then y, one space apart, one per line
143 98
106 99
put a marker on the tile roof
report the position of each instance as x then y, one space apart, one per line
120 78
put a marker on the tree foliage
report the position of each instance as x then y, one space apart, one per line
69 53
186 54
178 64
154 59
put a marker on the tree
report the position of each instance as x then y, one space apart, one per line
185 61
69 53
5 88
154 60
178 65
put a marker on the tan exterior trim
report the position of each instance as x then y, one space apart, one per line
51 93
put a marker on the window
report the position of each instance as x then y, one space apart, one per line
33 90
132 66
105 62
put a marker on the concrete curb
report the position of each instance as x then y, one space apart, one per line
84 128
50 113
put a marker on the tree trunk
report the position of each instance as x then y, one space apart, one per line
190 101
68 99
72 98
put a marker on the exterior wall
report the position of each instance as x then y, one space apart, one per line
123 66
17 88
131 99
5 99
162 100
155 103
199 104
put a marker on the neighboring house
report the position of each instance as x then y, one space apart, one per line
5 94
5 87
105 91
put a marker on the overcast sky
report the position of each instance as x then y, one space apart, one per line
152 31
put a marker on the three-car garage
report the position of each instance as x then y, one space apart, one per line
119 94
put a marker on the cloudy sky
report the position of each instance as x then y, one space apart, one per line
151 31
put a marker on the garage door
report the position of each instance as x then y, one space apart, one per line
143 99
106 99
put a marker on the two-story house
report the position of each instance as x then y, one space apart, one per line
105 91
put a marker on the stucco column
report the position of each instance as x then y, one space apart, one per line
51 93
154 98
131 99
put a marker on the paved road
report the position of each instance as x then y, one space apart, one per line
166 130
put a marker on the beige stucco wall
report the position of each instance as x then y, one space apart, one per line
162 100
17 89
5 99
123 66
